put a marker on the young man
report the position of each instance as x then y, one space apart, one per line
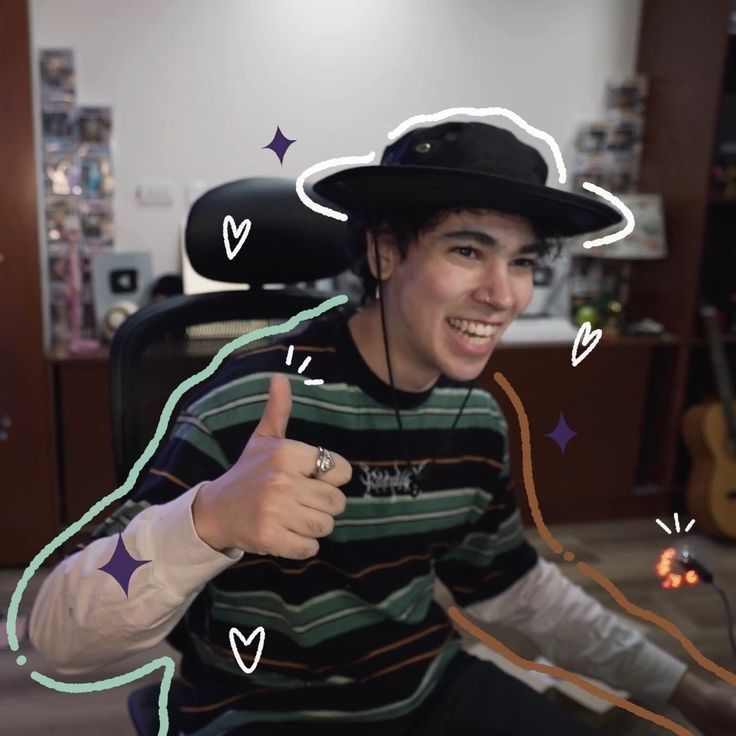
248 520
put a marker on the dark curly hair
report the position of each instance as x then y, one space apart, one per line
407 224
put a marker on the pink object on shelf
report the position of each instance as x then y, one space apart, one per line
82 345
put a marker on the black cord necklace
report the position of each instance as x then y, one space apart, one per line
415 473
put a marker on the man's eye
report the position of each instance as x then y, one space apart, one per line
466 250
525 262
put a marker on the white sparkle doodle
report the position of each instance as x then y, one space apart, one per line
302 367
677 524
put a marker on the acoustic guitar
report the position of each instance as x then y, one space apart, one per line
709 430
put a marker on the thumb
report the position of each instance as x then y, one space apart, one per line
278 407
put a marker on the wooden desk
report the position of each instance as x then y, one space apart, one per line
604 400
84 431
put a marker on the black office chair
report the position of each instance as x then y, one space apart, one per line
166 342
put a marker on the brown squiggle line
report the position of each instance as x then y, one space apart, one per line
659 621
527 470
496 645
555 546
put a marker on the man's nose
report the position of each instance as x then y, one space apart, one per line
496 287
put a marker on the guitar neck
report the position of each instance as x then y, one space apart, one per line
720 368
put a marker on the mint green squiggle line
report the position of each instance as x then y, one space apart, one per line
166 663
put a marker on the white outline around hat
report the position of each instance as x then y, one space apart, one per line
476 112
321 166
627 229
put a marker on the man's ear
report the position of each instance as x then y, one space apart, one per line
388 252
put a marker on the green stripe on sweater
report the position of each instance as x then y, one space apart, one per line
234 718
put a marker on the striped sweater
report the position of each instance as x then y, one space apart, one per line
354 633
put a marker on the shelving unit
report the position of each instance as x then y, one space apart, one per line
688 55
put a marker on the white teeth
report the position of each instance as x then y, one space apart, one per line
478 329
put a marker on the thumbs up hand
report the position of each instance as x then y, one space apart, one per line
268 502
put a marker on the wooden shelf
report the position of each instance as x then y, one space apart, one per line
683 52
608 340
61 355
702 342
654 341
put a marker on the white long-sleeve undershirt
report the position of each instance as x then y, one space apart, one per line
576 632
82 620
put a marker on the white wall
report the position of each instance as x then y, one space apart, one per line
199 87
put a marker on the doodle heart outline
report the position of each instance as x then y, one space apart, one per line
237 233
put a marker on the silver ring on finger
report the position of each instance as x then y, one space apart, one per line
323 463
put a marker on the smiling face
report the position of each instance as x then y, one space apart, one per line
450 299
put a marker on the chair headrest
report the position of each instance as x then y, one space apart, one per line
287 243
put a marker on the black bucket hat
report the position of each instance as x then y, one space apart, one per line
466 164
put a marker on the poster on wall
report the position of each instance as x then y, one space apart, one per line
94 125
95 172
62 223
58 81
61 172
96 222
57 124
626 94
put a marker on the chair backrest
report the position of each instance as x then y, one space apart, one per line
164 343
152 353
287 243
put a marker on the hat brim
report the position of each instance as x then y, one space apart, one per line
366 188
